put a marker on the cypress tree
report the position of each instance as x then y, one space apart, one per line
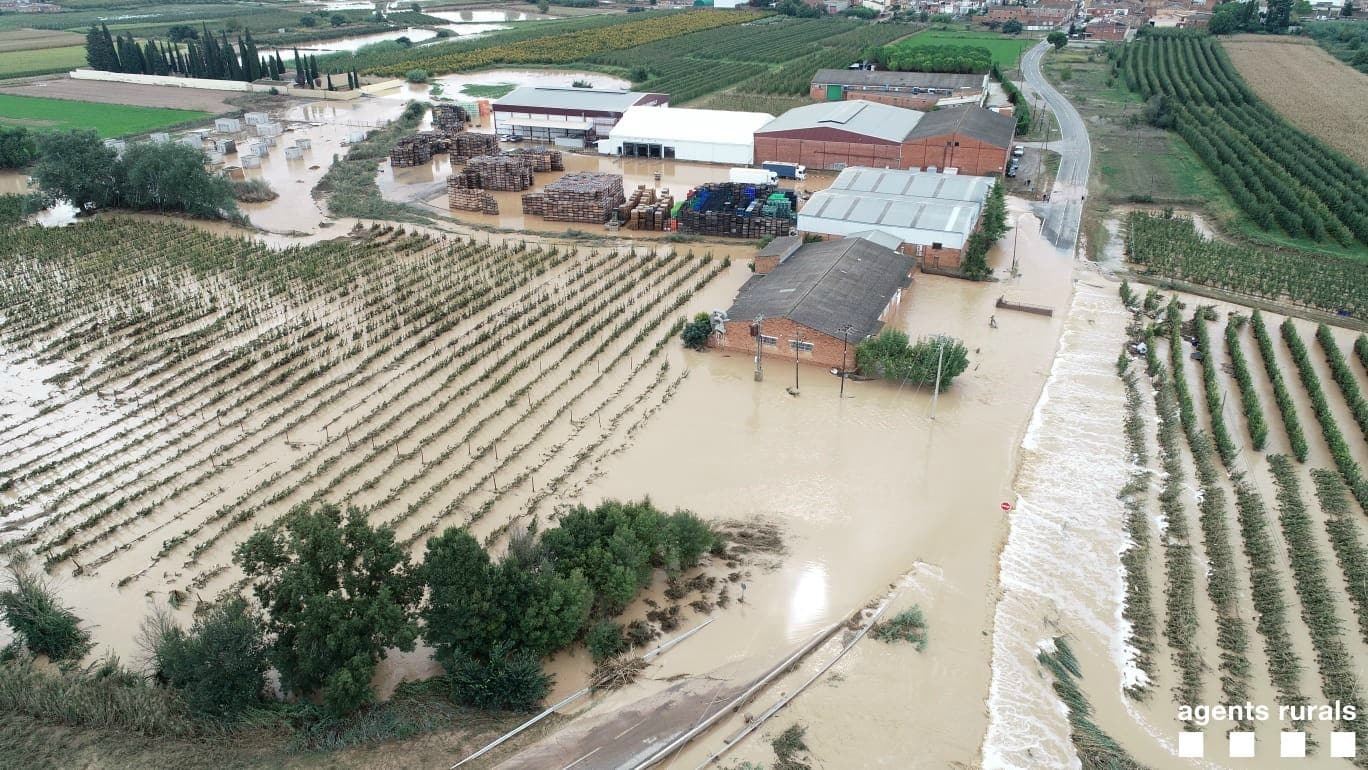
330 83
299 69
111 52
313 69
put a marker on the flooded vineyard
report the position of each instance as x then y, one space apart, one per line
168 390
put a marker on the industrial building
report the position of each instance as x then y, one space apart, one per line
818 302
930 214
912 90
709 136
833 135
570 117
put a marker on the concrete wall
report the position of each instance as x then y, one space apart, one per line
211 85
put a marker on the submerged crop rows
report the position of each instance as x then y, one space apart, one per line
186 388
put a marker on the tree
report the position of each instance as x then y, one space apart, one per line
1347 10
337 20
171 177
697 332
889 356
180 32
1012 27
17 148
100 51
338 593
219 665
1057 39
308 20
1279 15
508 680
76 166
31 609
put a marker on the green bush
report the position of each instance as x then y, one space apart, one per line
219 665
696 332
509 681
30 607
906 626
605 640
890 356
416 76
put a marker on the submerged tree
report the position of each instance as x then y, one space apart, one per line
890 356
30 607
219 665
338 593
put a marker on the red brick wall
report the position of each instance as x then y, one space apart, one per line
970 157
826 350
816 154
943 257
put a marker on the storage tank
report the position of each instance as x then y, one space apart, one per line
293 153
256 118
227 125
251 161
304 143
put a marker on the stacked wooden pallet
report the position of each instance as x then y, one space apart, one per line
542 160
584 196
467 145
646 209
459 196
449 118
411 151
498 172
738 211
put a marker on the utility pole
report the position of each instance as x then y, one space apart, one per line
935 394
797 343
845 341
756 332
1016 235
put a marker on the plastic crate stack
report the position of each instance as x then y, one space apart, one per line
739 211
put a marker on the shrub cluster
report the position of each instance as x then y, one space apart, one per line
890 356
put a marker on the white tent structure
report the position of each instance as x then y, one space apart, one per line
672 133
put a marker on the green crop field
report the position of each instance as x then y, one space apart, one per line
1006 50
15 64
107 119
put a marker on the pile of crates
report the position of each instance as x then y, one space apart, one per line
739 211
647 210
469 198
449 118
410 151
496 172
584 196
542 160
467 145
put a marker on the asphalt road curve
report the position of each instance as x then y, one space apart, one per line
1064 211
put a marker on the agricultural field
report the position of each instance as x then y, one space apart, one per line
45 61
32 39
180 388
1006 50
1252 590
1280 178
1308 87
106 119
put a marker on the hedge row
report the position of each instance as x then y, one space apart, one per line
1295 438
1339 449
1249 396
1343 376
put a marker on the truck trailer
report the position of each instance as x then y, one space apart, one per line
785 170
753 176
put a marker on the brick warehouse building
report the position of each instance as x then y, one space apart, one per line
820 301
911 90
835 135
929 215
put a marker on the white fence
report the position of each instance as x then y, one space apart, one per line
211 85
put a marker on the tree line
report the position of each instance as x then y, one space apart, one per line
204 56
909 57
333 594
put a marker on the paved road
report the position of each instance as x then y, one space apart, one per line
1064 212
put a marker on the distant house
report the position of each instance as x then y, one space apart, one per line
820 301
913 90
834 135
570 117
1113 29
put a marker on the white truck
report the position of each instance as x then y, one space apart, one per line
753 176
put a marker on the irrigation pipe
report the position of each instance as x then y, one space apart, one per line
575 696
784 701
740 700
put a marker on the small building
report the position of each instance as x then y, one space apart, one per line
571 117
913 90
710 136
836 135
817 303
931 214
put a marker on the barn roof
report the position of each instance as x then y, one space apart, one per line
827 287
881 121
591 99
967 120
866 78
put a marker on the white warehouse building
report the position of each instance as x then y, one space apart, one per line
709 136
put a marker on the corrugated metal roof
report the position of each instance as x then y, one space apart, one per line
968 120
880 121
592 99
828 287
867 78
672 124
899 200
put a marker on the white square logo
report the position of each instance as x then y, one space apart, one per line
1241 745
1292 745
1342 745
1190 744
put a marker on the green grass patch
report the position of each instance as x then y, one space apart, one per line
1006 50
18 64
106 119
487 91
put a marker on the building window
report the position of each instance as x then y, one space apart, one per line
806 347
935 244
767 340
